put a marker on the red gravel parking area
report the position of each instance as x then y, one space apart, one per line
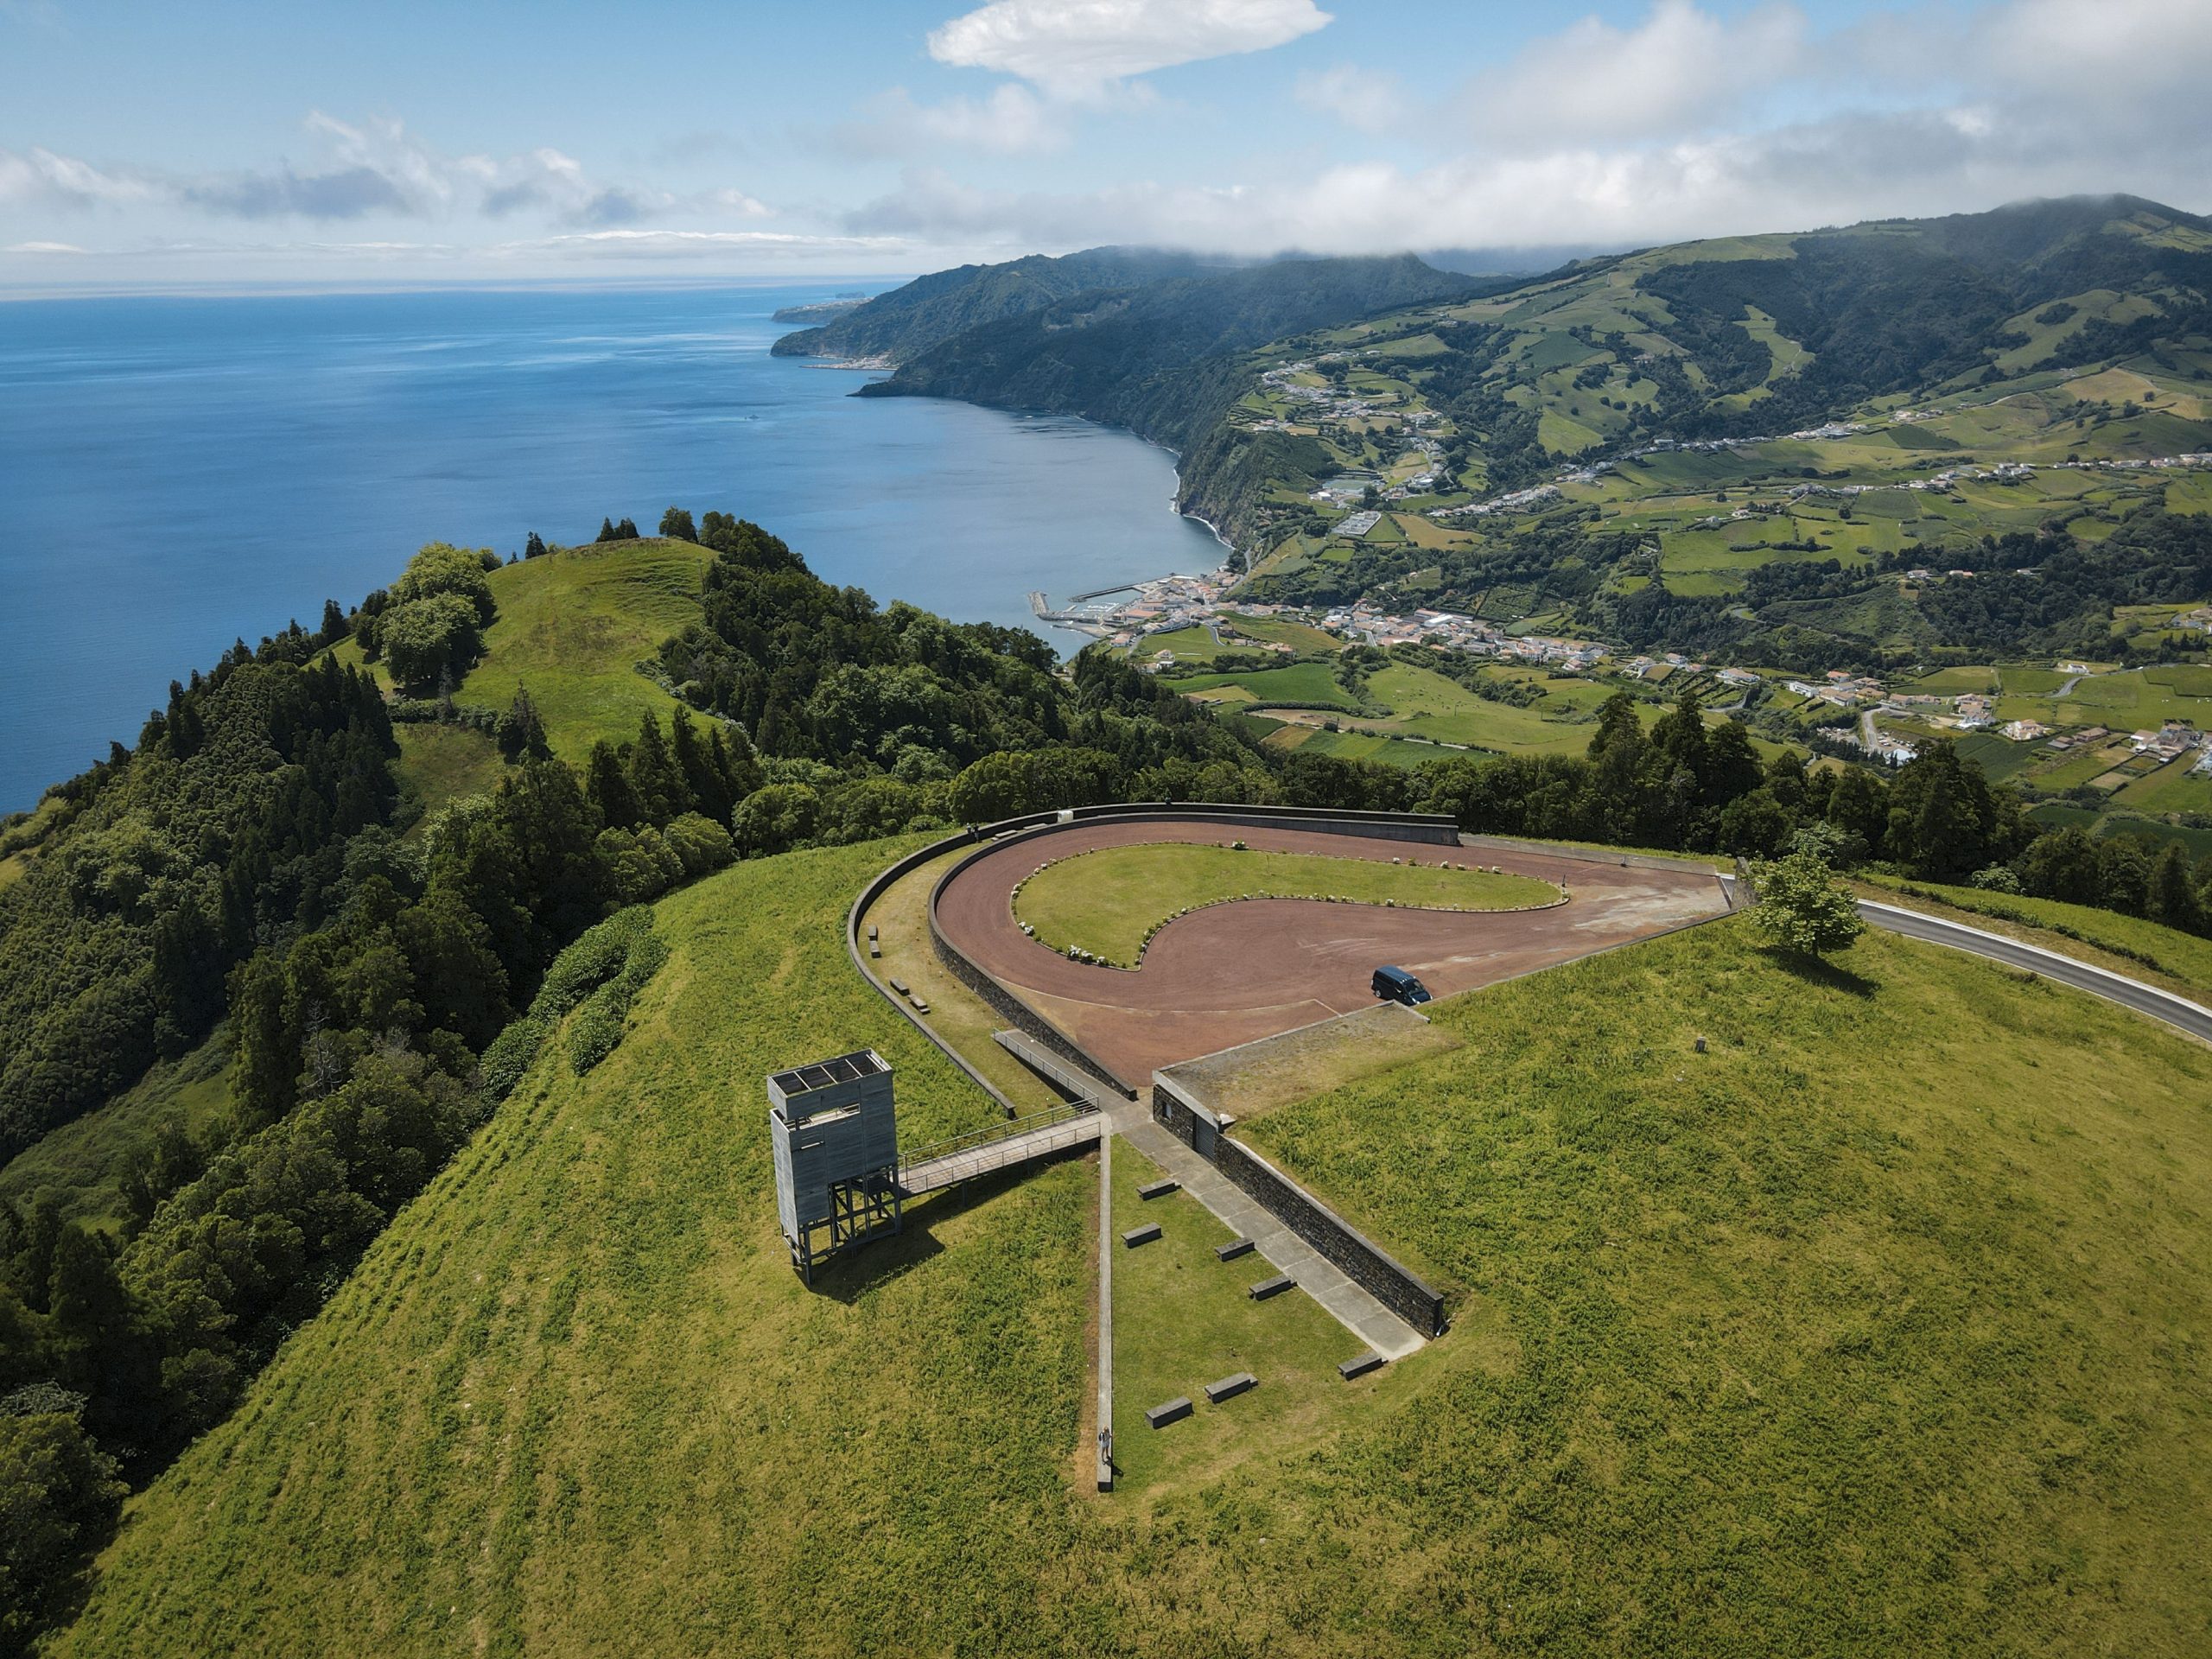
1234 973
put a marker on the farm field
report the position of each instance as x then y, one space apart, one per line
1108 902
1314 683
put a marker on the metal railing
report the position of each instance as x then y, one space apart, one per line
979 1141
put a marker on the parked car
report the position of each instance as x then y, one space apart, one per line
1396 985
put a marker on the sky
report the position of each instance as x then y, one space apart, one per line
225 143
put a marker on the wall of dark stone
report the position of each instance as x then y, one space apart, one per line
1366 1263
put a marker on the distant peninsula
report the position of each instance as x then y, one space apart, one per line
820 311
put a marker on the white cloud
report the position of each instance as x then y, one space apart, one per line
1011 121
1682 70
779 245
2106 45
40 176
1074 47
1369 100
41 247
377 167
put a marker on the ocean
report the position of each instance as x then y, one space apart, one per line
178 473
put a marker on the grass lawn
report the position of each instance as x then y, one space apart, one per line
956 1014
1181 1320
1108 901
570 626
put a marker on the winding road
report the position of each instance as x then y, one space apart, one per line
2164 1006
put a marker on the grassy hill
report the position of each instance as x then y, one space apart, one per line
1778 1348
572 625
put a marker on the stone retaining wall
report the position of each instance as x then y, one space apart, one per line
1361 1260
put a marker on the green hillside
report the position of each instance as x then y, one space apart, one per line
1772 1348
917 315
572 628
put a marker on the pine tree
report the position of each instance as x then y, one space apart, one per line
607 785
606 531
2172 893
334 624
659 786
522 733
535 547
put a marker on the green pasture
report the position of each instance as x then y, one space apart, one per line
571 624
1314 683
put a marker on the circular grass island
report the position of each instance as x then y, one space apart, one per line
1105 905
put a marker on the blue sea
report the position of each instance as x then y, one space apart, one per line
178 473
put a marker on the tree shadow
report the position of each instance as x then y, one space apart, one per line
1828 976
881 1260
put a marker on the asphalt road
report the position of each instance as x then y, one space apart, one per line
2178 1012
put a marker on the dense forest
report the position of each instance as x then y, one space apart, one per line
249 868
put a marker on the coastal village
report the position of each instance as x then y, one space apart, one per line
1850 706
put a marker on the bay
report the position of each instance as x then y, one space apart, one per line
178 471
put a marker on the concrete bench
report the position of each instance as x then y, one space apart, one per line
899 986
1229 1387
1360 1366
1137 1235
871 932
1235 1247
920 1007
1273 1286
1152 1190
1173 1411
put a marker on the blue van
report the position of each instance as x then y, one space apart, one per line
1396 985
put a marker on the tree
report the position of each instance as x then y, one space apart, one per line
1802 909
656 782
521 733
535 547
607 786
428 641
2172 897
607 532
58 1499
677 524
625 529
334 624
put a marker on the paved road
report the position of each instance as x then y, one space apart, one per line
2178 1012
